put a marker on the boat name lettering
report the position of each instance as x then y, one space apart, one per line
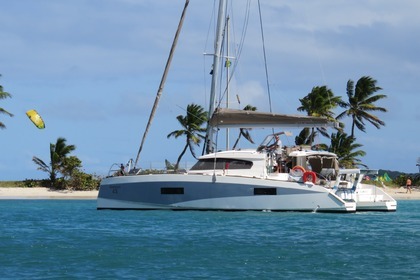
114 189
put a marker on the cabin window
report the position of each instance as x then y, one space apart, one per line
316 164
221 164
172 191
265 191
320 163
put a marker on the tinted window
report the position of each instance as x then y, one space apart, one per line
265 191
221 164
172 190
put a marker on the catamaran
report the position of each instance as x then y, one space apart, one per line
262 179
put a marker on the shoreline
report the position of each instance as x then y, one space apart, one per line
400 193
46 193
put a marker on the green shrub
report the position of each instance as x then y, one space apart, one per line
30 183
81 181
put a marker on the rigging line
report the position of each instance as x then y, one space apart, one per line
222 94
318 55
216 63
242 40
240 47
243 34
162 82
205 71
265 56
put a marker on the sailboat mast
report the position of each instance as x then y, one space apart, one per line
163 80
216 67
227 65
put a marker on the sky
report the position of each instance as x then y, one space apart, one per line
92 70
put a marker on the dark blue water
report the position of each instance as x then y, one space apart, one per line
70 239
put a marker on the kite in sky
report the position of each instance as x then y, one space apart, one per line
35 118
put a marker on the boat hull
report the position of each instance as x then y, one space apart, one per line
207 192
369 198
385 206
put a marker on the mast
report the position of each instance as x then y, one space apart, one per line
227 65
208 145
163 80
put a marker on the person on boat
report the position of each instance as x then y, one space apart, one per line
276 148
408 185
122 170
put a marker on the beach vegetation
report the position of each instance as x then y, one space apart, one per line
69 167
10 184
192 128
401 179
4 95
361 103
320 102
58 153
81 181
347 150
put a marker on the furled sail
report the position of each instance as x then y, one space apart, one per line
225 117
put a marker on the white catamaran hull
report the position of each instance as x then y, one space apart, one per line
207 192
386 206
369 198
271 177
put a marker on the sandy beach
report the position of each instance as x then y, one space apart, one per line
45 193
400 193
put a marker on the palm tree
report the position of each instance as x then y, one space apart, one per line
360 103
58 155
345 149
4 95
320 102
191 123
244 131
305 136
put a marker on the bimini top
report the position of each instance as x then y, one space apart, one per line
225 117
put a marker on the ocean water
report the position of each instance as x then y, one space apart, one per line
70 239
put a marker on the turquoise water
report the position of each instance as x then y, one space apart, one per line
70 239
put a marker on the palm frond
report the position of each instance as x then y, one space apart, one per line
245 133
41 164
